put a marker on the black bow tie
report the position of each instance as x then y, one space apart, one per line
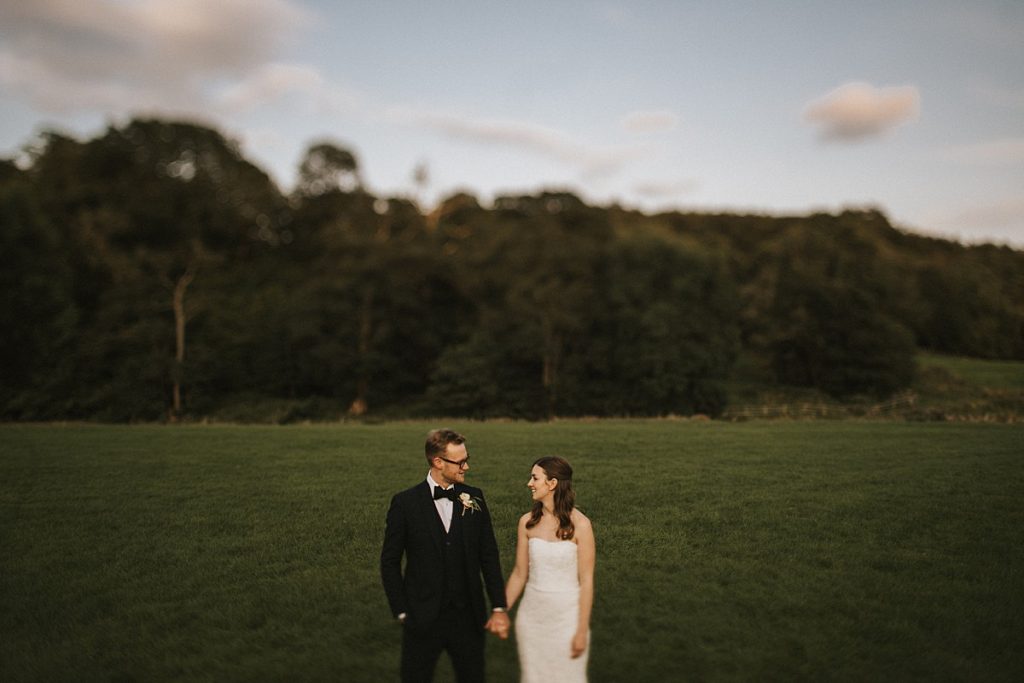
444 493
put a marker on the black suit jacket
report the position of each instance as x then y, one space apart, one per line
415 530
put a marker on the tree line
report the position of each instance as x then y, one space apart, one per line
153 272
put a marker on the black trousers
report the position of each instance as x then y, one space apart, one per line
457 630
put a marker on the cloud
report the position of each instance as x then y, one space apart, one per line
665 189
222 58
649 121
857 111
299 83
58 92
269 83
997 221
994 152
546 142
1002 214
65 55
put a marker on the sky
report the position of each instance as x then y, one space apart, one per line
915 108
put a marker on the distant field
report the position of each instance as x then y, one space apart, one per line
851 551
993 374
946 388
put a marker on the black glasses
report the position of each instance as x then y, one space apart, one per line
461 464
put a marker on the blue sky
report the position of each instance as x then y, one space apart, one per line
916 108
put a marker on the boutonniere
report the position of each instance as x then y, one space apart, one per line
468 503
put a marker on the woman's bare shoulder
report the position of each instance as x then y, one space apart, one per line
579 519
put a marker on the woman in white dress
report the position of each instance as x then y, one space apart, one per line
554 572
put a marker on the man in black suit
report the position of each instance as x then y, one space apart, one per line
443 529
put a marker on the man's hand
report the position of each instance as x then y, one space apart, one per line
499 624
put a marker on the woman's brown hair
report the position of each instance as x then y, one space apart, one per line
565 497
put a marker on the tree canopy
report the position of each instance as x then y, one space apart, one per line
153 272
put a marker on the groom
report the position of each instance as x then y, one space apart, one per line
443 529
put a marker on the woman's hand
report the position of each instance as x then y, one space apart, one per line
579 644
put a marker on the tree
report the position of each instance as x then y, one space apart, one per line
536 264
153 272
669 333
374 272
834 337
154 203
326 168
37 310
573 319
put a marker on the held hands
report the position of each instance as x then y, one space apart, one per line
499 624
579 644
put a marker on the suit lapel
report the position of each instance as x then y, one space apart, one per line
457 509
460 515
426 503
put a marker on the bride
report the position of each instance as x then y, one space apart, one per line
555 564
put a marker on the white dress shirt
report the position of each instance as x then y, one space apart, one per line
443 505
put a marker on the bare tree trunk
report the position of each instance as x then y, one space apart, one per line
359 405
178 303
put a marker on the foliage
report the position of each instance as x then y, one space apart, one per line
39 307
327 167
154 273
832 337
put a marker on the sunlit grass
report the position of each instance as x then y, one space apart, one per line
992 374
814 551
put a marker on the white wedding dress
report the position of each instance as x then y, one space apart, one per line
548 615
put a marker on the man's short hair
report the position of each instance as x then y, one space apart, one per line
438 440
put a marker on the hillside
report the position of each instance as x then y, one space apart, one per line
154 273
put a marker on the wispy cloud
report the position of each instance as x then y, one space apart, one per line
220 58
1001 221
300 84
1007 213
856 111
56 91
65 55
994 152
665 190
649 121
592 160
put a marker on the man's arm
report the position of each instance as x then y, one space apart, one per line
391 558
490 562
490 566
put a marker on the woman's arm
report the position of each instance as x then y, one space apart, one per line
585 558
517 580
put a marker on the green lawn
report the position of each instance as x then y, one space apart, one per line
991 374
849 551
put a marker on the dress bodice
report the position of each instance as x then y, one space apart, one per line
553 565
548 615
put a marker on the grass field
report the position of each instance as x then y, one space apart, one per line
991 374
945 389
848 551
